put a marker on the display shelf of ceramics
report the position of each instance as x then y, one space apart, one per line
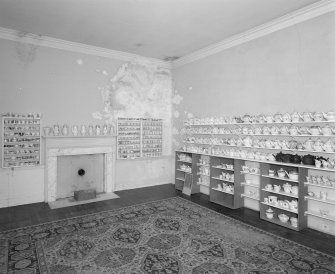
279 207
262 161
287 224
280 178
223 168
220 179
326 201
267 135
283 193
221 190
318 185
264 123
322 215
21 132
252 197
267 148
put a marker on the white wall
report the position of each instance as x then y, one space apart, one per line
64 87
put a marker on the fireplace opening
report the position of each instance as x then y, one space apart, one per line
79 173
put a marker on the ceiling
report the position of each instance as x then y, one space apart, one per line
163 29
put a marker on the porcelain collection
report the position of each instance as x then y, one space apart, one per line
75 130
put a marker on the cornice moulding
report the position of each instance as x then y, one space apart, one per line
290 19
45 41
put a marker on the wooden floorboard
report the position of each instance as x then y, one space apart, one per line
25 215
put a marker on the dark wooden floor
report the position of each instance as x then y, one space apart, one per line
20 216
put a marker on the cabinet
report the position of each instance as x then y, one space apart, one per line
225 187
281 198
21 140
139 137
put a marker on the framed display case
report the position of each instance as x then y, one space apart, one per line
21 140
139 137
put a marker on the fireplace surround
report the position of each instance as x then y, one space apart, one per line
57 147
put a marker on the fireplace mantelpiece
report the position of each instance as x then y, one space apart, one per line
82 146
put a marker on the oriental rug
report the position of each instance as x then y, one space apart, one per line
163 237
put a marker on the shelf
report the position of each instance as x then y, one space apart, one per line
280 178
278 222
251 185
265 123
231 193
184 171
184 161
316 214
223 168
331 202
180 179
269 135
250 173
262 161
216 178
250 197
285 209
265 148
322 186
281 193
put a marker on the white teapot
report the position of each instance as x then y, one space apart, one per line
278 118
295 117
315 130
286 117
294 130
328 146
306 116
274 130
318 116
330 115
269 144
247 141
284 130
318 145
308 144
266 130
327 130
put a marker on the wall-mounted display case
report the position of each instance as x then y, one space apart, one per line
21 140
139 137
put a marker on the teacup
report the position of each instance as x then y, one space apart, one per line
271 172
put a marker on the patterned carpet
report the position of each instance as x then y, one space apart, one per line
163 237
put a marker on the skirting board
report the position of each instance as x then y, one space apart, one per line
126 187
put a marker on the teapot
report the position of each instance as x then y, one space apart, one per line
278 118
269 144
274 130
281 173
284 130
250 155
294 130
328 146
330 115
266 130
318 145
257 130
246 118
245 130
256 142
306 117
287 187
261 143
269 118
243 154
247 141
292 144
276 144
304 130
315 130
308 159
295 117
293 175
308 144
295 190
327 130
284 144
239 142
261 119
286 117
318 116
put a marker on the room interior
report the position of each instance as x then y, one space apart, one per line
122 105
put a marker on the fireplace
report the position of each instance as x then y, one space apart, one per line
64 159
